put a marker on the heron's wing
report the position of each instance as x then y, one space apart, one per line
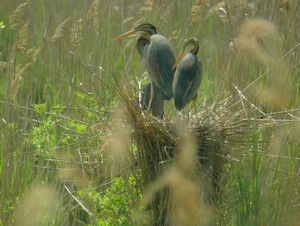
188 82
188 89
153 69
159 62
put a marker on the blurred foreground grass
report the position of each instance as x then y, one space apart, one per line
67 154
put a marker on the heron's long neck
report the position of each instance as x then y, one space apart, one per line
141 44
195 49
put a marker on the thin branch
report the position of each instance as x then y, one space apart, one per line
78 201
244 98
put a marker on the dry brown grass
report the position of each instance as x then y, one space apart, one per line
17 17
38 207
183 166
258 40
59 31
93 15
255 32
20 46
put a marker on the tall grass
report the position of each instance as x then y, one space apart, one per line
77 150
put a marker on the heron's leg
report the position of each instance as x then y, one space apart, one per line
195 102
151 97
140 95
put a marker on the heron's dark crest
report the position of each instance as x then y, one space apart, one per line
146 27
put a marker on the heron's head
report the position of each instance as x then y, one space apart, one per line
190 45
144 27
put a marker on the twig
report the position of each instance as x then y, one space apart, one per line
275 64
77 200
243 97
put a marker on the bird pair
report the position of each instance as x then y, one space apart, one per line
180 78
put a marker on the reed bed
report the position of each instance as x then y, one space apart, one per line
78 150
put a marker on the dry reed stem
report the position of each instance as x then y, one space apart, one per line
16 83
147 7
231 11
195 13
287 5
16 17
93 15
120 138
38 207
188 208
78 201
252 33
76 33
185 206
21 42
72 169
187 146
33 53
58 33
127 20
74 175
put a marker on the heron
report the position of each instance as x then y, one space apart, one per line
188 75
157 103
158 56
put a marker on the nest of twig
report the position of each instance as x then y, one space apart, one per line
216 130
159 144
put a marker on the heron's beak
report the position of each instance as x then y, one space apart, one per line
178 59
128 33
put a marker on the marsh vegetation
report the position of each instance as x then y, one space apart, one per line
76 149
